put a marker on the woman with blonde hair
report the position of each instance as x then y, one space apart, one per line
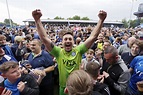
79 82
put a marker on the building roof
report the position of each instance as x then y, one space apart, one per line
138 14
73 21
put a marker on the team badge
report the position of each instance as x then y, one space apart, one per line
73 53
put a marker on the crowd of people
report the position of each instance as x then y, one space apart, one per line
90 60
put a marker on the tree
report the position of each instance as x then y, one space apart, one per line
57 17
76 17
1 23
125 23
141 20
133 23
70 18
85 18
6 21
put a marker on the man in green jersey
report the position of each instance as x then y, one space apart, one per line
68 58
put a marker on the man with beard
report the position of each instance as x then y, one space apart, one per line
68 58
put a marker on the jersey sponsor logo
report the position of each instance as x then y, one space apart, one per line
139 73
69 62
139 69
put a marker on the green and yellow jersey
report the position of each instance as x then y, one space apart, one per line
68 61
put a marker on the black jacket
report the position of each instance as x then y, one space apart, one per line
31 87
101 88
118 79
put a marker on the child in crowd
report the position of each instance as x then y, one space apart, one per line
99 56
93 69
89 58
16 82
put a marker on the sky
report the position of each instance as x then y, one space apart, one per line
21 10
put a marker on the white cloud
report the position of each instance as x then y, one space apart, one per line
16 14
21 9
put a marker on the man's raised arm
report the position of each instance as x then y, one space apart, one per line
94 34
41 31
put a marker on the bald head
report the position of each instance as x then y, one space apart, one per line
131 40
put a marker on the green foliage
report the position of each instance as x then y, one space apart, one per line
85 18
125 23
131 23
1 23
7 22
141 20
70 18
57 17
76 17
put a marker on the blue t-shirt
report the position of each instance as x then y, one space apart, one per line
43 60
12 87
137 66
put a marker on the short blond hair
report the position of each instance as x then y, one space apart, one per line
79 82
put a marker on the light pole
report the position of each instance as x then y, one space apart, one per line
8 14
131 13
